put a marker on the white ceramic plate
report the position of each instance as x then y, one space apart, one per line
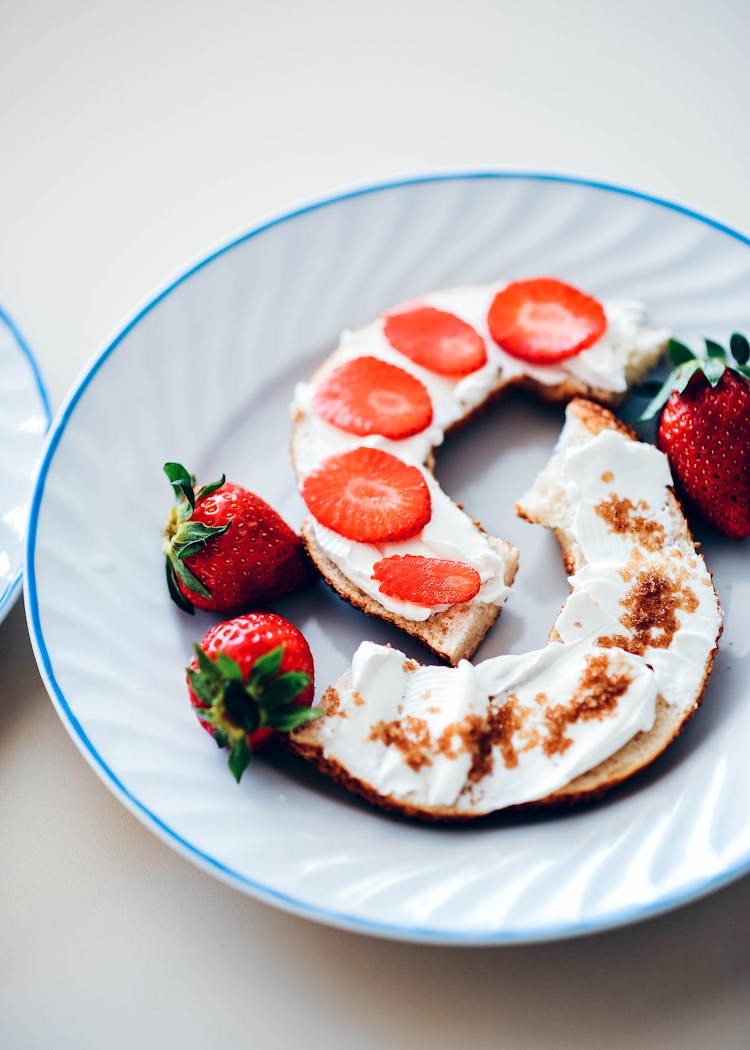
24 418
204 374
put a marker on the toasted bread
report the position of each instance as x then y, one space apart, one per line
545 504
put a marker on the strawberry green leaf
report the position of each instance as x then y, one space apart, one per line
241 709
744 370
291 719
284 688
192 537
266 666
174 591
740 348
228 667
685 373
190 580
193 531
713 369
208 490
220 737
181 482
679 352
676 380
200 686
715 350
239 757
206 714
655 404
207 666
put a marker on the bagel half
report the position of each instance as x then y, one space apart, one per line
624 669
604 372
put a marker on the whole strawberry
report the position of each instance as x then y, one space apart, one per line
226 549
704 430
252 677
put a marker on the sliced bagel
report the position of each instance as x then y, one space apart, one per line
603 372
625 667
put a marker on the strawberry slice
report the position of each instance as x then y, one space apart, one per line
437 340
369 496
544 320
370 396
426 581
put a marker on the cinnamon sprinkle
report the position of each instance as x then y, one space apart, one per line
651 607
620 515
595 698
410 735
502 724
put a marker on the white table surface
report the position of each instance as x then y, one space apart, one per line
132 138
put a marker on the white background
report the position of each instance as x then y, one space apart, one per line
135 136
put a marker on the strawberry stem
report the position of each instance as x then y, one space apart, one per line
687 364
184 537
235 707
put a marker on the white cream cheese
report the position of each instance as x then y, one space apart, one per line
451 534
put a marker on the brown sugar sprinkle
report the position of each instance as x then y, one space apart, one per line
409 665
427 694
607 476
531 739
465 731
620 515
630 571
651 607
332 703
479 735
357 697
479 745
410 735
595 698
502 725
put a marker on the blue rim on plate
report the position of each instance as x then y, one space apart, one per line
268 894
13 587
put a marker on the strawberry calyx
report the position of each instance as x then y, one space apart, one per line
184 537
687 364
235 707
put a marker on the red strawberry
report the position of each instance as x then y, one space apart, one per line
436 340
426 581
544 320
226 549
370 396
704 430
369 496
251 677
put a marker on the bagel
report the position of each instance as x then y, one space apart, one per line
624 668
603 371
